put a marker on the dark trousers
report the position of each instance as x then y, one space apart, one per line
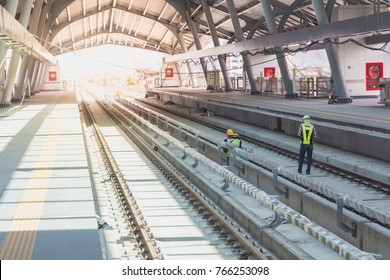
302 152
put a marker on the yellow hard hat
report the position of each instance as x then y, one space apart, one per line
229 132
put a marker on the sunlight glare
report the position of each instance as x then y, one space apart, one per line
107 59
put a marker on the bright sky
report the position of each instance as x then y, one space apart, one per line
113 59
106 59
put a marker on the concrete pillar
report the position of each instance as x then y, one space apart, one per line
339 85
240 37
33 75
45 27
214 36
39 32
27 59
41 75
37 68
189 65
11 7
269 18
15 58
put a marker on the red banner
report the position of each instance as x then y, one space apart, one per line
52 76
270 72
374 71
168 72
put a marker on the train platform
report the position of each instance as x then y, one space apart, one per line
361 127
354 137
47 209
363 112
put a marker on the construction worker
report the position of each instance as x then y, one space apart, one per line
307 133
232 138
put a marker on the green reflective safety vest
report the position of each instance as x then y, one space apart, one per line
307 133
235 142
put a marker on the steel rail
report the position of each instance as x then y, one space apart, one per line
122 121
309 183
333 241
127 199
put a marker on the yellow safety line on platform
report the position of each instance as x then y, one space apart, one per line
19 241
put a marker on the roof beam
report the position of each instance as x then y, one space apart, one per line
68 14
162 12
344 28
84 10
151 31
85 27
168 24
146 8
138 26
130 4
140 41
132 23
119 18
91 25
112 19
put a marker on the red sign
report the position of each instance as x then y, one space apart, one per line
168 72
270 72
374 71
52 76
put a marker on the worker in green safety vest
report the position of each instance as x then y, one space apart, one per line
307 133
234 139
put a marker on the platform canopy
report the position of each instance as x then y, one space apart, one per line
156 24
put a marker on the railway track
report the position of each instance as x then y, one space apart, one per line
344 225
252 142
262 220
227 238
360 181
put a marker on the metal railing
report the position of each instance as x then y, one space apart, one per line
310 87
15 35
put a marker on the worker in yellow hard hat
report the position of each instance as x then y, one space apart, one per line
306 133
229 132
234 139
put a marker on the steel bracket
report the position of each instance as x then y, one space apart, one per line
284 192
353 227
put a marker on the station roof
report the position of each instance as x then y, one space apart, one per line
155 24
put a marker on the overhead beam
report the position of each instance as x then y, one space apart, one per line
344 28
66 45
377 39
56 29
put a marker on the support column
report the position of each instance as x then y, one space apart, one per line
27 59
35 87
15 58
269 18
189 65
39 32
339 85
37 77
214 36
41 75
198 45
11 7
240 37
